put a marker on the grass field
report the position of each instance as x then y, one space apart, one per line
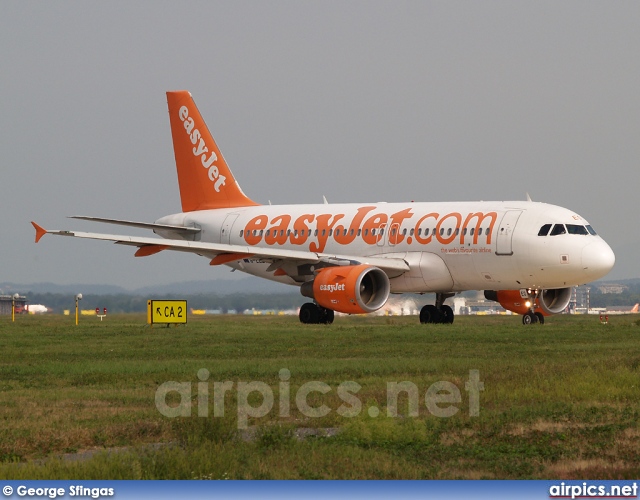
559 400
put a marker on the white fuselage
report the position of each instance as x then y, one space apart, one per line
449 246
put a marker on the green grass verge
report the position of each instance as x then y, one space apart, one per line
559 400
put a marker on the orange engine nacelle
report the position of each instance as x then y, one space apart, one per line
548 302
349 289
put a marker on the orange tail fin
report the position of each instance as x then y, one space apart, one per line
204 177
635 308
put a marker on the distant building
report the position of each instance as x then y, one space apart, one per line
580 299
5 304
613 288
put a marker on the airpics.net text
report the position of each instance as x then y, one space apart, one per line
441 398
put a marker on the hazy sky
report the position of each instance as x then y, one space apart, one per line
358 101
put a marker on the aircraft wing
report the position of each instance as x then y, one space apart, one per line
221 253
143 225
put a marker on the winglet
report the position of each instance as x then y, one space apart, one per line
40 231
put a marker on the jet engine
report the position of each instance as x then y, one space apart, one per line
548 302
349 289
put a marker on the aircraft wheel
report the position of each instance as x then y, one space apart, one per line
437 316
425 314
529 318
309 313
447 314
429 314
327 316
540 317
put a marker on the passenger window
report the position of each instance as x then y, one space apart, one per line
480 232
351 232
591 230
472 231
576 229
544 230
449 232
558 229
359 232
441 231
411 232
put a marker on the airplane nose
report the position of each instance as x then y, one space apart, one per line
597 259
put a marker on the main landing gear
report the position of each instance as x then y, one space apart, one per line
438 313
311 313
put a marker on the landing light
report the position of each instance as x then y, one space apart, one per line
527 303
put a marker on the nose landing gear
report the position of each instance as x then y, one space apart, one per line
532 316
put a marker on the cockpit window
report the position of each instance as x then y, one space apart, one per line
558 229
591 230
576 229
544 230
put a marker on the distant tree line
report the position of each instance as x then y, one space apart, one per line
614 299
120 303
629 297
124 303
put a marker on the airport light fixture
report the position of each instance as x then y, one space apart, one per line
14 297
78 297
104 313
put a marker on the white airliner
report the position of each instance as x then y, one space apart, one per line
350 257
